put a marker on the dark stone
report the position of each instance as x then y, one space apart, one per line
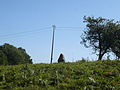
61 58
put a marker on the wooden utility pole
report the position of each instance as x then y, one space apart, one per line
54 27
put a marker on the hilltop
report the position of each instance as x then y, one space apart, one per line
83 75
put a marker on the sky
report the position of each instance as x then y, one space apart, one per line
28 24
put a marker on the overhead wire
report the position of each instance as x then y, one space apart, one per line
24 32
13 35
69 27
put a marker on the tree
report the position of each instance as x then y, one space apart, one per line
3 58
116 45
26 57
99 35
13 55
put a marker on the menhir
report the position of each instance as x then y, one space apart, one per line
61 58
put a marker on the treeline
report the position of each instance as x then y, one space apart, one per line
10 55
103 35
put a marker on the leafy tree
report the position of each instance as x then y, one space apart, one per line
3 58
116 45
12 54
99 35
26 57
15 55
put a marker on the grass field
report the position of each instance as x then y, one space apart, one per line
82 75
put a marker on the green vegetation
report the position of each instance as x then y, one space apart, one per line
10 55
103 35
82 75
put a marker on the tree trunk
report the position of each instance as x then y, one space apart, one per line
100 57
101 54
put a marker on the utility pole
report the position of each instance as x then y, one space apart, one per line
54 27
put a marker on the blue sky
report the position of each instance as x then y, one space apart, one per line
19 17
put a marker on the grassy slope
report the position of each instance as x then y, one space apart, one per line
97 75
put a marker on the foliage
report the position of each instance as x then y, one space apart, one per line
116 45
97 75
25 56
3 58
13 56
100 35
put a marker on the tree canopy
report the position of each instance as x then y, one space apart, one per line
10 55
103 35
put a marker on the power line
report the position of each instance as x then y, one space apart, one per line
12 35
21 36
30 31
70 27
69 30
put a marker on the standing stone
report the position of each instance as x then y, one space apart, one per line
61 58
